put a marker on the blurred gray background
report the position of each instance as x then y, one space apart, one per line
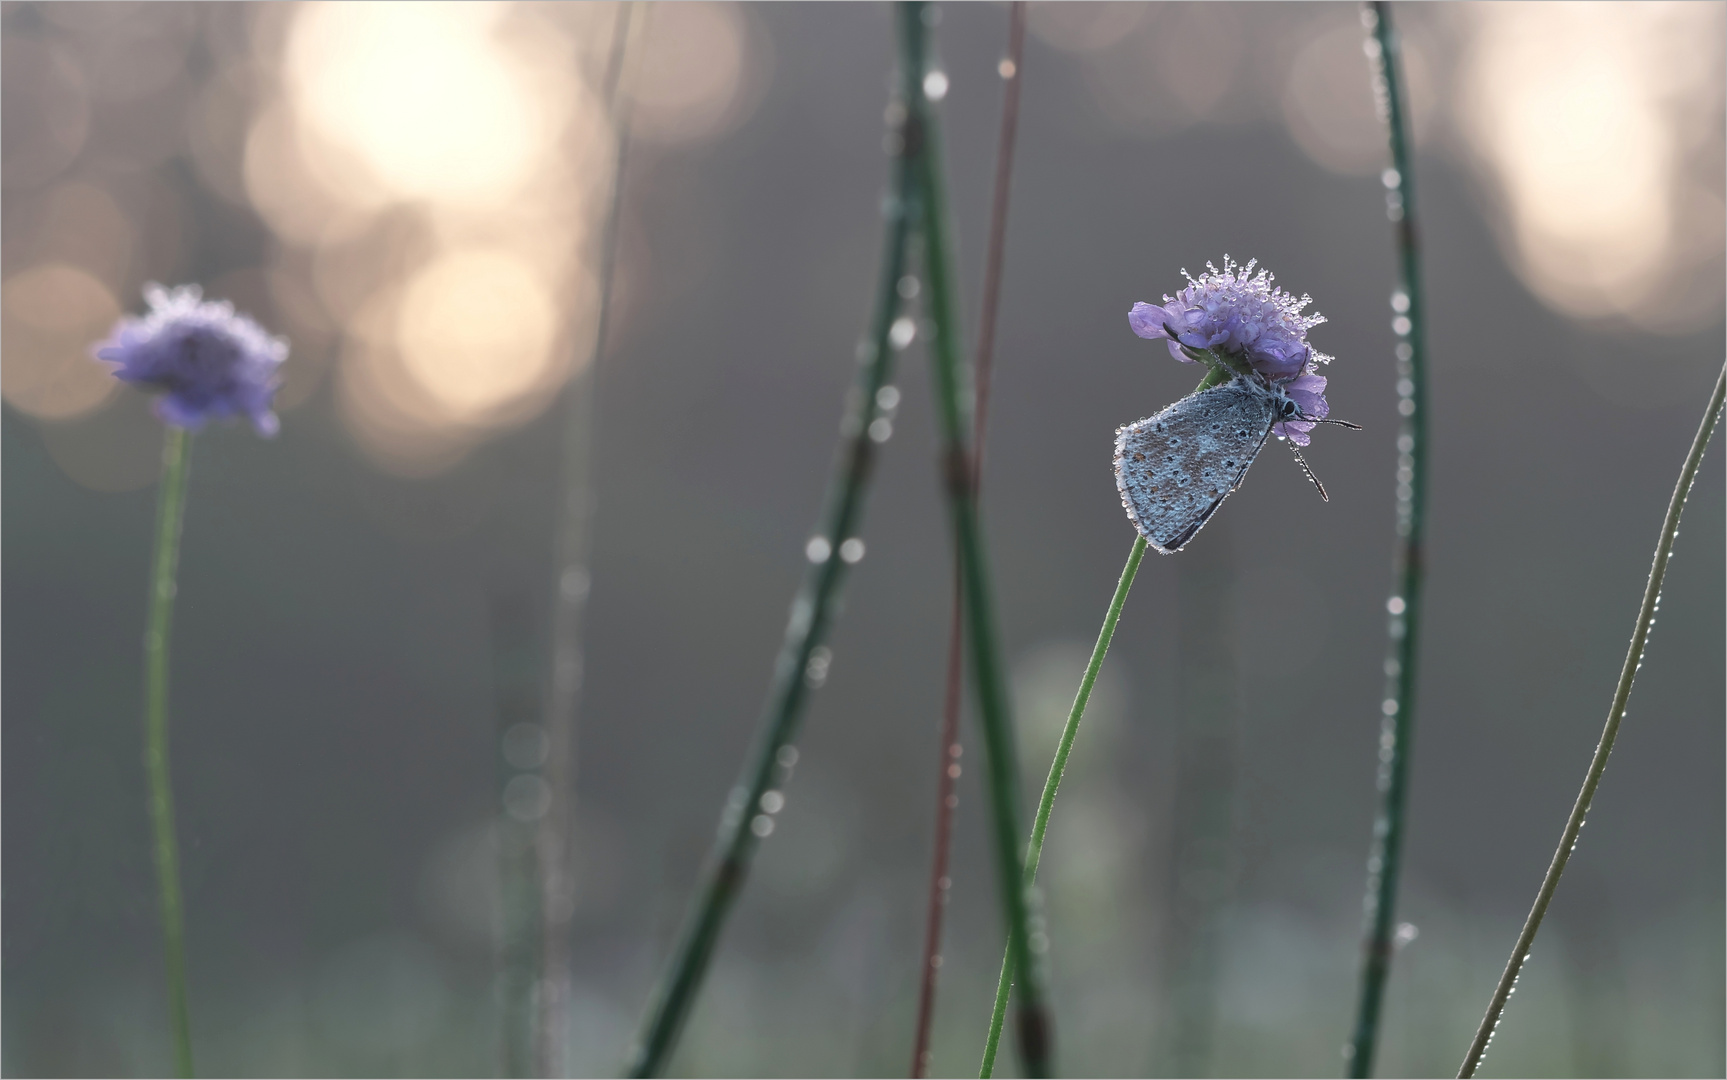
335 703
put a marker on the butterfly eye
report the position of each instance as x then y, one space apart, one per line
1288 408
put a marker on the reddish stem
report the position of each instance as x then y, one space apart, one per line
950 749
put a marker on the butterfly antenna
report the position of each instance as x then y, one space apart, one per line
1306 419
1308 472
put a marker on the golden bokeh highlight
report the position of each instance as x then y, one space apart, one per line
476 330
1328 106
424 97
1598 126
50 317
703 77
437 172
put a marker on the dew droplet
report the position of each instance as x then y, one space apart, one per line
935 85
818 549
762 826
901 333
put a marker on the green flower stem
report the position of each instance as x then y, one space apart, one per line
746 819
1217 374
1385 859
573 540
954 410
164 562
1615 713
1034 850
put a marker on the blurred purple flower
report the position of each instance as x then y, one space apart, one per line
1243 316
211 362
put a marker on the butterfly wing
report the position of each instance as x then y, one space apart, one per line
1174 469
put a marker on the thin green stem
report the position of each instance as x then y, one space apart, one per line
1385 858
803 659
1040 824
1615 713
573 542
164 563
1046 803
954 411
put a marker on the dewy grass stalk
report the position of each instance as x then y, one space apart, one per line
164 564
1615 713
803 660
569 599
1404 607
1026 940
948 751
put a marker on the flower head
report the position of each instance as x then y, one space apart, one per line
212 362
1251 323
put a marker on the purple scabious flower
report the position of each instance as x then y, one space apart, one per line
1242 317
211 362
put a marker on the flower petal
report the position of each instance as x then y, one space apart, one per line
1148 320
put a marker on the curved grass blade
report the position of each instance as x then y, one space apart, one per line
1615 713
746 819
